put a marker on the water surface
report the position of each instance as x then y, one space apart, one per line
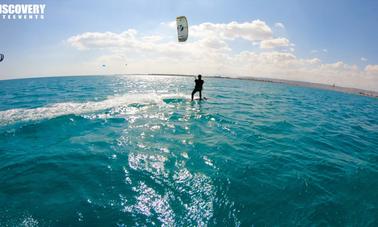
117 150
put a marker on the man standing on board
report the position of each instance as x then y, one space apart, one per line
198 87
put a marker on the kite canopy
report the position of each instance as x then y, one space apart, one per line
182 28
1 57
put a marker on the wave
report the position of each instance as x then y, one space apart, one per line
66 108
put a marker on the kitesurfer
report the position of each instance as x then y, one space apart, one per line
199 84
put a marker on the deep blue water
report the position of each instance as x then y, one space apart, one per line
126 151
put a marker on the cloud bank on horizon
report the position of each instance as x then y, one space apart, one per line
214 49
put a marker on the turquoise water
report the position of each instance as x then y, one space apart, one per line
126 151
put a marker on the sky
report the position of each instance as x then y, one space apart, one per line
331 42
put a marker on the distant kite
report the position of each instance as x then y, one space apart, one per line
182 28
1 57
103 65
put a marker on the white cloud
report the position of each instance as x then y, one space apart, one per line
103 40
272 43
372 69
209 51
279 25
363 59
319 51
251 31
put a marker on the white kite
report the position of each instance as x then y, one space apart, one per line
182 28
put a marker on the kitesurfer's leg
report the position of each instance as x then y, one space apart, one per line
200 91
193 92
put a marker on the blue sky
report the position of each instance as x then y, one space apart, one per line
332 31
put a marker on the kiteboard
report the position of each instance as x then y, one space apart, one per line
203 99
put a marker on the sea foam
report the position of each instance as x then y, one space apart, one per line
65 108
